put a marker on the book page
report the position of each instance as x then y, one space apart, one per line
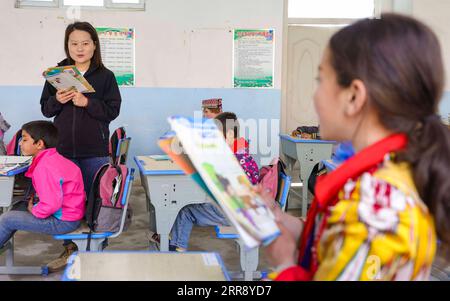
67 78
225 178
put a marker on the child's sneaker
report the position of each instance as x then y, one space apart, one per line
173 248
154 238
59 263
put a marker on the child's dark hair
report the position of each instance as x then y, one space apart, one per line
84 26
42 130
400 61
228 121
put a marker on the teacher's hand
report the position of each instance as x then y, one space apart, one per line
80 100
64 96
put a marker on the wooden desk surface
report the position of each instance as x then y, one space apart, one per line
150 166
145 266
287 137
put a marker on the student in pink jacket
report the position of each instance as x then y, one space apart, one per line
57 202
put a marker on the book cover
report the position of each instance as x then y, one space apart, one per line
67 78
206 153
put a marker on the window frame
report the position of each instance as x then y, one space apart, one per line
31 3
107 5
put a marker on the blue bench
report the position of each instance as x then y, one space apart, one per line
80 236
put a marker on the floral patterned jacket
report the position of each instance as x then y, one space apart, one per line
367 222
249 165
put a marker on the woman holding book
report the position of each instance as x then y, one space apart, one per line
379 215
83 119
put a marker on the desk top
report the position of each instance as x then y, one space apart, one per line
298 140
150 166
145 266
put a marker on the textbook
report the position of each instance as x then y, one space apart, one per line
199 148
11 163
67 78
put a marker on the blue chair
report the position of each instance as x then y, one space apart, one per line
80 236
122 151
249 259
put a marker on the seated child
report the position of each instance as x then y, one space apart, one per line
58 203
211 107
207 214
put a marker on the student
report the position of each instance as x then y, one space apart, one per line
207 214
83 119
211 107
58 204
376 217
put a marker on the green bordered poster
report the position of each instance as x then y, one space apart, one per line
117 49
253 58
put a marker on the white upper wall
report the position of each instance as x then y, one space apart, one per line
436 13
179 43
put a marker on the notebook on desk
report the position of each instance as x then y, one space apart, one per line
10 163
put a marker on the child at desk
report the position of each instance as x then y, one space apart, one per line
207 214
378 215
211 107
57 184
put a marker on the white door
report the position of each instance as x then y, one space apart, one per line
305 48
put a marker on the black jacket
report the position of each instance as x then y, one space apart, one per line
84 132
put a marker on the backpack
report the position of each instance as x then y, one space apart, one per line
104 205
318 170
270 177
118 134
13 147
307 132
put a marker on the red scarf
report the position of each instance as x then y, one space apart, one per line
328 187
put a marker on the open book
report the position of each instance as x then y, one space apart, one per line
205 156
12 163
67 78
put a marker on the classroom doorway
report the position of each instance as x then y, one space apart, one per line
306 45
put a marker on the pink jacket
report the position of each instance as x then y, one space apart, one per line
59 185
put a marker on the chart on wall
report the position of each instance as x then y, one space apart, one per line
117 49
253 58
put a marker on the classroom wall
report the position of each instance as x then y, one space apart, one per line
436 13
183 55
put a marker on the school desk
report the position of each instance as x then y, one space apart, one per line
145 266
308 152
6 198
168 190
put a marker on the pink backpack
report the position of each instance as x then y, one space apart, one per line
13 147
104 207
268 177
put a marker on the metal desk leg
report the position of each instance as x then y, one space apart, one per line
11 269
164 242
305 171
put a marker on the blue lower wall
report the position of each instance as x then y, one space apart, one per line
144 110
444 107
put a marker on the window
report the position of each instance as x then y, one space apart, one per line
331 11
91 3
106 4
43 3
